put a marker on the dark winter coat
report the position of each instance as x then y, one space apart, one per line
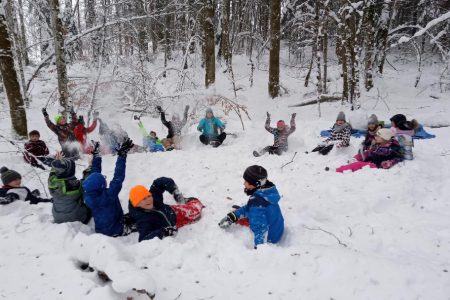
68 205
264 214
9 194
150 222
384 156
104 202
35 149
280 138
64 132
174 127
341 135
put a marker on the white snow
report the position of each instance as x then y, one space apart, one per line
373 234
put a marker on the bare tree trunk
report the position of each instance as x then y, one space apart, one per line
225 35
23 36
325 51
90 22
10 82
274 59
208 27
319 46
61 68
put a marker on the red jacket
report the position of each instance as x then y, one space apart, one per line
81 132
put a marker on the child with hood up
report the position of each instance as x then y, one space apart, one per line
65 188
153 217
104 202
404 131
340 136
280 136
384 154
36 149
262 209
149 140
173 139
210 127
12 189
64 131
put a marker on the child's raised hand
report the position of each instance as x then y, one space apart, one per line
294 115
59 155
268 115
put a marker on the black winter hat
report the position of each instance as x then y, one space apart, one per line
398 119
34 132
255 175
64 168
9 175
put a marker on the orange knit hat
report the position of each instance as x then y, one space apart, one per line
138 193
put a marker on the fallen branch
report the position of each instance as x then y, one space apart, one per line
290 161
322 99
327 232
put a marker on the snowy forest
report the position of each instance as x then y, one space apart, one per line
151 137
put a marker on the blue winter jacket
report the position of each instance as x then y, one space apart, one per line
264 214
104 202
210 127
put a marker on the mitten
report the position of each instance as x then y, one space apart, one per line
268 115
44 112
294 115
96 114
169 230
159 109
228 220
125 147
96 148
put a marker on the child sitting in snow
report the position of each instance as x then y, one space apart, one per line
153 217
404 131
150 140
210 126
13 190
104 202
340 136
280 136
383 154
65 188
35 150
262 209
372 127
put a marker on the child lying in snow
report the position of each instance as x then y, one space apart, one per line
150 140
280 136
156 219
384 154
104 202
13 190
262 209
340 136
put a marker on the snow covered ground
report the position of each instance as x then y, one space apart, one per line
373 234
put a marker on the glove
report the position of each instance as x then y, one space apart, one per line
125 147
169 230
137 117
159 109
186 108
268 115
179 198
96 114
228 220
44 112
95 151
36 193
294 115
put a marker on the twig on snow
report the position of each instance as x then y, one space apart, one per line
327 232
290 161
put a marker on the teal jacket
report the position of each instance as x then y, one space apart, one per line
210 127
